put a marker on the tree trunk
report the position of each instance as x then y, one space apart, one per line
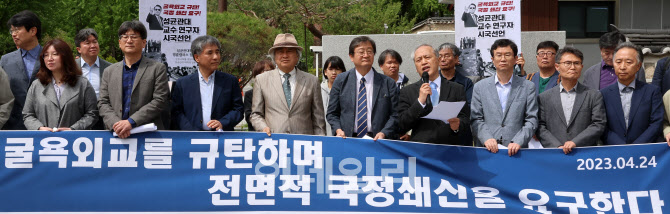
223 6
316 29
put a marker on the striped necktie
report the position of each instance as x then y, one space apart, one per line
362 110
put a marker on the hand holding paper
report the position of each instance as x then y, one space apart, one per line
445 111
143 128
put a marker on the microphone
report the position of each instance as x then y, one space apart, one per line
426 79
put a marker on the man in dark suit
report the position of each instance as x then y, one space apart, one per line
504 106
208 99
449 58
662 74
581 114
154 18
135 91
413 103
22 65
362 101
469 18
634 108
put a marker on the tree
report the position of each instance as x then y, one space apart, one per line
64 18
423 9
309 20
245 40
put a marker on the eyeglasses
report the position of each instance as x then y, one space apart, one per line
15 30
362 52
543 54
125 37
570 64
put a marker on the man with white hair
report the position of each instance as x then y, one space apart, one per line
286 99
414 105
634 108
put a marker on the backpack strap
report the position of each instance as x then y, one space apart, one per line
529 77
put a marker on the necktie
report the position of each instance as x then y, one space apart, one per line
399 85
434 97
362 110
626 107
287 89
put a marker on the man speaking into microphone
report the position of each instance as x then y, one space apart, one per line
418 99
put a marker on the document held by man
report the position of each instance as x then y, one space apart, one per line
445 110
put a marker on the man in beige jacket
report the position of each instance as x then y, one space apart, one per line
666 117
286 99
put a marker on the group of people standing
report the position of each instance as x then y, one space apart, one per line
45 88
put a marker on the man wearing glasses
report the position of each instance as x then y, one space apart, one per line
22 65
469 18
504 106
580 110
548 76
133 92
154 18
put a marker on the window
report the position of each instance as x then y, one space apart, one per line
585 19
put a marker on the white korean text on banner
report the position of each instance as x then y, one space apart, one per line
171 26
177 171
479 23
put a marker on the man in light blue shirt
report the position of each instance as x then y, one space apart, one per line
504 107
22 65
91 65
206 94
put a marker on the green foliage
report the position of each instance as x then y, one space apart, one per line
332 17
244 40
423 9
64 18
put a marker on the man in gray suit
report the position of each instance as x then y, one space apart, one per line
133 92
580 110
504 107
6 98
286 99
362 101
91 66
22 65
601 75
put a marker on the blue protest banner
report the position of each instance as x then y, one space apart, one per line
91 171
